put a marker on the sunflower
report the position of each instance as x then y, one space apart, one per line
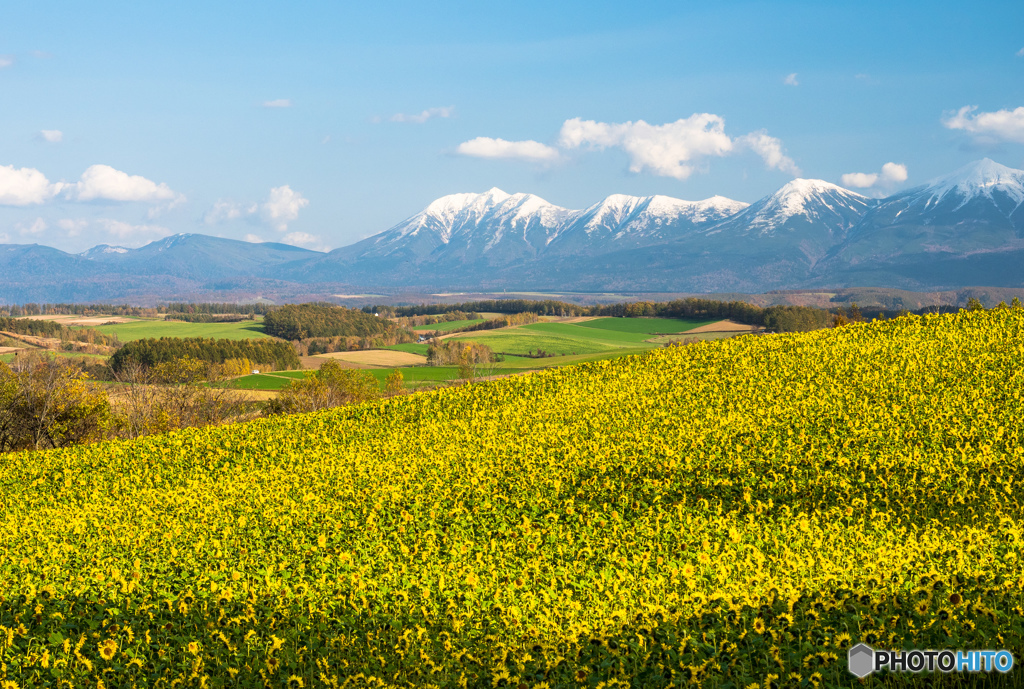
501 679
842 640
816 679
295 682
687 570
759 625
108 649
955 599
193 648
922 607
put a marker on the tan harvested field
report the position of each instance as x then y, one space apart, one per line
377 357
311 363
723 327
568 319
81 320
8 350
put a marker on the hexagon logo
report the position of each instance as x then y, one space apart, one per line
861 659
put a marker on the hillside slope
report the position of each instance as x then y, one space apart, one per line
533 530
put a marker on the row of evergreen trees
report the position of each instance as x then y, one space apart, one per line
151 352
52 329
34 309
775 318
301 321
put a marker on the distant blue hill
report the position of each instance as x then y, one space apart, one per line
964 229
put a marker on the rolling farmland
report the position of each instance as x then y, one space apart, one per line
139 329
592 525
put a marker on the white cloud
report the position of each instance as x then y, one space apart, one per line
225 210
102 182
4 238
859 180
73 227
894 172
254 238
674 149
6 61
770 150
424 116
891 175
38 226
989 127
486 147
129 234
1020 53
278 103
301 239
54 136
669 150
790 80
24 186
282 207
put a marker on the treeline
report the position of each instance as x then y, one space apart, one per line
450 316
210 317
458 353
33 309
544 308
150 352
54 330
301 321
775 318
502 322
49 402
311 346
332 386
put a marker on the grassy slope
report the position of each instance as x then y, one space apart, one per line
411 347
558 338
445 327
651 326
545 524
139 329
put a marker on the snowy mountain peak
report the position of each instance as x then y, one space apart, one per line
456 203
804 188
103 250
814 199
980 178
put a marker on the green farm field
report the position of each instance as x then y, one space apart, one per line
413 376
649 326
566 339
447 327
143 328
411 347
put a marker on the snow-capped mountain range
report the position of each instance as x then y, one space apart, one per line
964 229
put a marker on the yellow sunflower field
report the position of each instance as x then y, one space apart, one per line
724 514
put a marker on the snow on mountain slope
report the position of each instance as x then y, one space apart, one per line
103 251
981 178
518 226
809 200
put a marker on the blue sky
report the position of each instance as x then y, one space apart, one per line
320 123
